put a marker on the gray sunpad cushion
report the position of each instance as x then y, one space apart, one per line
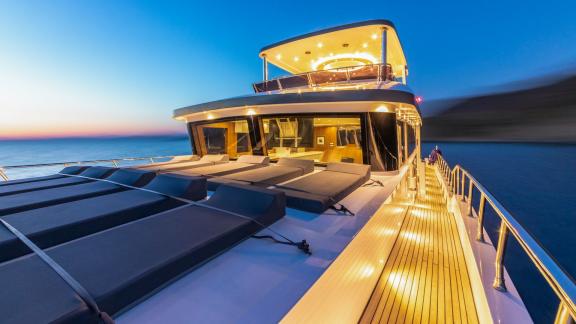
56 224
59 181
262 177
37 185
47 197
221 169
111 264
318 191
62 223
66 170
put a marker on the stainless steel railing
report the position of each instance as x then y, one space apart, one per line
561 283
114 162
364 73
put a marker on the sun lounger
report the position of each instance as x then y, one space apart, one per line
321 190
244 163
61 223
285 169
47 197
121 265
76 169
206 160
60 181
174 160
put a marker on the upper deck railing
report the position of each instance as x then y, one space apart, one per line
114 162
461 183
353 74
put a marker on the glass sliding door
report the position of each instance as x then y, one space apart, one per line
314 137
223 137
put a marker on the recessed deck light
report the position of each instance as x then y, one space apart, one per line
374 36
296 59
320 45
278 56
365 45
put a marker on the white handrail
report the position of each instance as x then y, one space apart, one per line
4 176
560 282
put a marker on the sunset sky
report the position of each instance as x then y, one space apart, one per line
93 68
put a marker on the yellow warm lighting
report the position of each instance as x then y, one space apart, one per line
395 280
251 112
349 58
411 236
296 58
278 56
382 108
333 43
210 116
366 271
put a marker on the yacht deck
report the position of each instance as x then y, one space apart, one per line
425 279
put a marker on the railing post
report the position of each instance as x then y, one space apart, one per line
462 186
470 187
563 316
500 253
480 233
115 163
151 160
3 175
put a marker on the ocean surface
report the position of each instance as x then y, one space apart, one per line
536 183
21 152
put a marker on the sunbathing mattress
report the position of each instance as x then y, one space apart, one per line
206 160
121 265
67 170
61 181
47 197
61 223
321 190
244 163
285 169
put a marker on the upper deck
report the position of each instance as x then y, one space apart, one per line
352 54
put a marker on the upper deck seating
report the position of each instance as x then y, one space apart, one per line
76 169
123 264
284 170
60 181
174 160
47 197
321 190
61 223
206 160
244 163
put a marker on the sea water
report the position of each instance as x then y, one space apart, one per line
536 184
20 152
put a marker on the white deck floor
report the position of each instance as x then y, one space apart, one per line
258 281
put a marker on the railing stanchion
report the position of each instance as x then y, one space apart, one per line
3 175
462 193
563 315
480 233
470 188
499 283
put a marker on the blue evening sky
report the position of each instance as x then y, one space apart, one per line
107 67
